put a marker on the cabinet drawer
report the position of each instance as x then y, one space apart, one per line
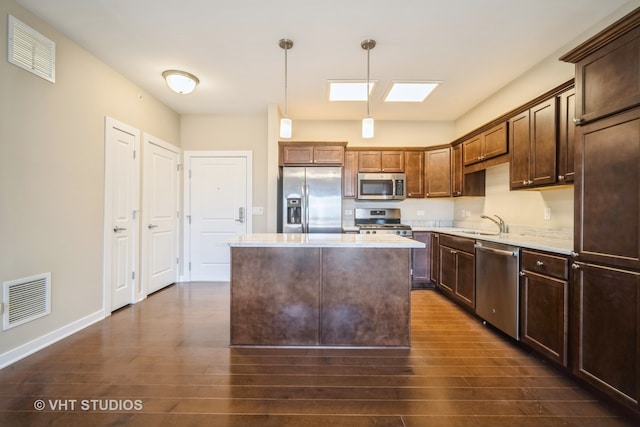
459 243
547 264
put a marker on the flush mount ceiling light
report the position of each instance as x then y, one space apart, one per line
180 81
349 90
410 91
367 122
285 122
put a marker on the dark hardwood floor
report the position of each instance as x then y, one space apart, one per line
166 361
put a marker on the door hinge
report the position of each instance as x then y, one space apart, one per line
189 265
189 173
189 218
177 260
133 275
178 167
134 154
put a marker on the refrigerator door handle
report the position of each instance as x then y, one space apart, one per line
306 204
303 214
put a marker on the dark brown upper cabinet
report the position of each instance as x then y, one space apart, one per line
486 145
380 161
533 136
414 169
438 172
311 153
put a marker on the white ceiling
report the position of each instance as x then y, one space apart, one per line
474 46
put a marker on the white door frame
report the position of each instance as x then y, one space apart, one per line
108 206
143 289
188 155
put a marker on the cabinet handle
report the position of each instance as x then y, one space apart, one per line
522 274
575 266
577 120
574 254
560 177
539 263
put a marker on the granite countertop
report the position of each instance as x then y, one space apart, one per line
560 246
285 240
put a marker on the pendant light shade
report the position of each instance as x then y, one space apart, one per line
367 122
285 123
180 81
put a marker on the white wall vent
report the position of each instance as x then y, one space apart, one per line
26 299
30 50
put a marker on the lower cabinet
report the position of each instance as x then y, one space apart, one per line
544 302
457 269
605 332
421 261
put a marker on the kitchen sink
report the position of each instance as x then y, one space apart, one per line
480 233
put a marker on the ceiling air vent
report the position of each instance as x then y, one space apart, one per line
26 299
30 50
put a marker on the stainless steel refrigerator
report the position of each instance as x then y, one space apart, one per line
311 200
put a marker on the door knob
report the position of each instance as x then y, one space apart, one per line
151 226
117 229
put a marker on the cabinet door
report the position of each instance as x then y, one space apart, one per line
435 257
456 171
495 142
607 229
369 161
466 279
519 135
414 168
566 136
472 150
422 258
297 155
608 80
447 267
328 155
543 145
350 175
438 173
392 161
544 315
605 332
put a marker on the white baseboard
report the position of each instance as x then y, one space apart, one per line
46 340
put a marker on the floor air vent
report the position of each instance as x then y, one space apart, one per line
26 299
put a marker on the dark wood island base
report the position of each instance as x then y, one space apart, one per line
320 296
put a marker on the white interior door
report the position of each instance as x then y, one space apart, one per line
160 214
120 226
219 208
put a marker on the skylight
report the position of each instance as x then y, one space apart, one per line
410 91
349 90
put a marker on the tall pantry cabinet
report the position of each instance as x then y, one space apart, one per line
605 307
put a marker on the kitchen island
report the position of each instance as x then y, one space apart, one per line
332 290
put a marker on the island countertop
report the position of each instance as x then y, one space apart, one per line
336 240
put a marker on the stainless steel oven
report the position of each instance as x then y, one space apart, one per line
380 221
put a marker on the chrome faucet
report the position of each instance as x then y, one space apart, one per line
500 223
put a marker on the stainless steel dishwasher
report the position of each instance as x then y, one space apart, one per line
497 289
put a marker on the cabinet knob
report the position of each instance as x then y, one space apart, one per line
577 120
522 274
539 263
560 177
575 266
574 254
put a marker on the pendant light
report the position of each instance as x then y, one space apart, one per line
367 122
285 122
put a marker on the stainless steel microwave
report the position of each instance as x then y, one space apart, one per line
381 186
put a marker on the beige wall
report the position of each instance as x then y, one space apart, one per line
52 172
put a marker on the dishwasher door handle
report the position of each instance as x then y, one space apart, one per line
496 251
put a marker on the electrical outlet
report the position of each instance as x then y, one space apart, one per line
259 210
420 213
547 213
